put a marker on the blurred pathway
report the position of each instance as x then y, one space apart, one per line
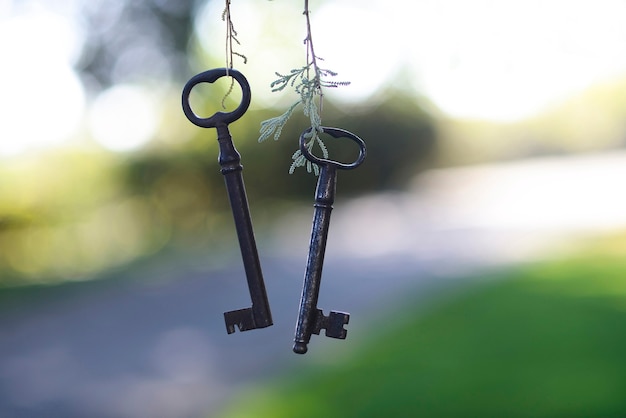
155 345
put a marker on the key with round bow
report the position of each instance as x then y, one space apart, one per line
258 315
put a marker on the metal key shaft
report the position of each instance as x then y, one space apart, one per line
258 315
312 320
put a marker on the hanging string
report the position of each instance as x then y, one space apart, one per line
311 58
231 37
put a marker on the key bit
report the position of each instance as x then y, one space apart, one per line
259 315
333 324
311 320
241 318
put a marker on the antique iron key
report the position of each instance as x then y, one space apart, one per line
259 315
312 320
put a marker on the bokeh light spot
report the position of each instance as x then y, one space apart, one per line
123 118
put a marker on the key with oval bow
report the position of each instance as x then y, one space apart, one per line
312 320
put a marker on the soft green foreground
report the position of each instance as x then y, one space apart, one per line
549 341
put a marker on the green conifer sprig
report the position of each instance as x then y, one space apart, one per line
308 82
308 88
300 160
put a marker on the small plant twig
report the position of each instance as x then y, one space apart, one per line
307 82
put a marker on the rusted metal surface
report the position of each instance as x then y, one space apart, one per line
312 320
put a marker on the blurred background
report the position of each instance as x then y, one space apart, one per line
479 248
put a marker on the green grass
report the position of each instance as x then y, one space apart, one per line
540 341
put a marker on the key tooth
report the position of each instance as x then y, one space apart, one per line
246 319
242 318
333 324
